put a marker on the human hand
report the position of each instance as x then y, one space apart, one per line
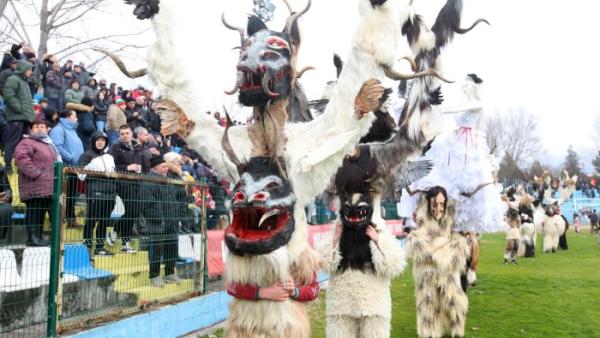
134 167
289 285
136 114
275 293
372 233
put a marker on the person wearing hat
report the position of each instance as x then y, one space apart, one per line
115 118
19 109
160 213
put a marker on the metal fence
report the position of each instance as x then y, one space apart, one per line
118 244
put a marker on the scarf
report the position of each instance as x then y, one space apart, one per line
43 137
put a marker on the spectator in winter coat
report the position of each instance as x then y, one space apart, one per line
35 156
19 109
90 89
135 117
84 75
100 192
115 118
51 116
129 158
161 224
55 89
74 93
65 138
9 69
6 61
100 109
35 81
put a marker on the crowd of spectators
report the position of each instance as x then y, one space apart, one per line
52 111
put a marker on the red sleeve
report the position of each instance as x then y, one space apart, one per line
309 292
242 291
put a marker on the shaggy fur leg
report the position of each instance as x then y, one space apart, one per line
374 327
429 321
472 277
342 327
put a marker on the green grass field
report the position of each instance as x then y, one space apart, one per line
550 295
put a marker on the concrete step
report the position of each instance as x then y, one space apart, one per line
150 293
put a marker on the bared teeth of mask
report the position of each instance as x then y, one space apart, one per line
268 215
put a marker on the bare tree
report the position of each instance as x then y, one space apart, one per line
60 23
515 133
3 4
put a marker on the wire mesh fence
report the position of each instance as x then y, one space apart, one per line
120 244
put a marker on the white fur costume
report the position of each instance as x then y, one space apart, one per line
439 257
359 304
313 152
552 228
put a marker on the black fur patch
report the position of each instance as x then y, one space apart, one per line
383 129
144 9
354 174
355 250
255 24
447 21
375 3
412 29
298 107
339 65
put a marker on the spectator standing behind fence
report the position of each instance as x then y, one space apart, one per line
134 113
9 66
90 89
100 193
100 109
67 141
6 209
35 156
19 110
129 158
115 118
160 210
55 87
184 209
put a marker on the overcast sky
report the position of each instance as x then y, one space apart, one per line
538 54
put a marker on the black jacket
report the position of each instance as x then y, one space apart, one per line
125 155
97 188
158 203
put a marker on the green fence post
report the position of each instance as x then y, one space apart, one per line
55 253
204 232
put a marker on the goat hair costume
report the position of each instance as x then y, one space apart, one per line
439 257
279 167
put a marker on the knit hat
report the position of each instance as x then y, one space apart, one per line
156 160
119 101
43 99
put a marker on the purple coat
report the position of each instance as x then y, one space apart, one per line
35 161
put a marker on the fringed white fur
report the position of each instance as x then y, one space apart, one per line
261 270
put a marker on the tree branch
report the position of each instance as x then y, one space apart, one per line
21 23
92 40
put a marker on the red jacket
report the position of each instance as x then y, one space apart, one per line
35 161
305 293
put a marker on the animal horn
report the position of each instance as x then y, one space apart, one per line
237 85
265 84
466 30
294 17
287 4
226 145
234 28
130 74
412 62
396 76
303 70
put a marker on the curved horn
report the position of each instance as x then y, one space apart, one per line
293 18
287 4
234 28
396 76
226 145
413 65
130 74
237 85
303 70
466 30
265 84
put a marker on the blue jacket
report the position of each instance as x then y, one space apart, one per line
65 138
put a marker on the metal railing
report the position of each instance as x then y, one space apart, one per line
119 244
